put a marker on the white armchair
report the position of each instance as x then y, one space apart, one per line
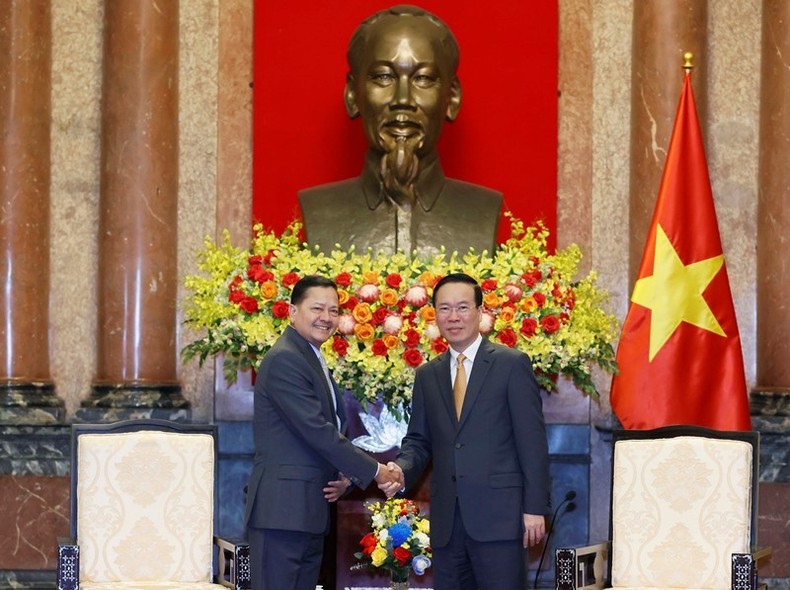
683 514
143 504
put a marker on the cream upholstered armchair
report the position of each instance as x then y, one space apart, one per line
143 506
683 514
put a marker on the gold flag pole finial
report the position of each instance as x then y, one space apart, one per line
687 59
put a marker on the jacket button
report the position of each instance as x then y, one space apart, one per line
453 478
458 445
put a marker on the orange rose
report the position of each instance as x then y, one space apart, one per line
507 314
491 300
390 341
364 331
528 304
427 278
362 313
370 278
389 297
268 290
428 313
342 296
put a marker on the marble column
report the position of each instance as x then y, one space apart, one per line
136 343
770 399
27 394
663 30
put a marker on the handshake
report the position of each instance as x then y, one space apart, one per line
390 478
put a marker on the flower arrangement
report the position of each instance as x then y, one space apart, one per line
387 326
399 539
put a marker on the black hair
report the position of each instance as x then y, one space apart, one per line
460 277
300 288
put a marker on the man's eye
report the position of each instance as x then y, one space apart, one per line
424 81
382 78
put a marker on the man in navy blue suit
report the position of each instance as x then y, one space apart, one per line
302 460
477 414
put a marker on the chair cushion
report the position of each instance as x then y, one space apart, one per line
145 507
150 586
681 506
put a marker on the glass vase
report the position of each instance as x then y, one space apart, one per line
399 579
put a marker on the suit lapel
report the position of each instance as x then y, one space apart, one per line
480 368
441 373
309 354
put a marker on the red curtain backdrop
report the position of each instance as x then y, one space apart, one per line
505 136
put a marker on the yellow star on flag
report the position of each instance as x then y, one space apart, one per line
674 293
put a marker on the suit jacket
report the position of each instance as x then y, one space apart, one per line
494 460
298 447
451 213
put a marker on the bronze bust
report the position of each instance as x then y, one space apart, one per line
402 82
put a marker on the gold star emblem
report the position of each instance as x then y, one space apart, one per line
674 293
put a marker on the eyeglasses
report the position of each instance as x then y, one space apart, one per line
462 310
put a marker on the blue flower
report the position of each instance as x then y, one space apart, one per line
419 564
399 533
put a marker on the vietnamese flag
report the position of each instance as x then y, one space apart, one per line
680 356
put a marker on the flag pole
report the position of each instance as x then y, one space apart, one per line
687 62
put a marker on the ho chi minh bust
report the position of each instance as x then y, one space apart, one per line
402 81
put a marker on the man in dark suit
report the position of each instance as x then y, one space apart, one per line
302 460
477 413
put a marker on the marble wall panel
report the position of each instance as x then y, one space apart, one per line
35 513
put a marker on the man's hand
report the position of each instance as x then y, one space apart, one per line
336 488
534 529
390 478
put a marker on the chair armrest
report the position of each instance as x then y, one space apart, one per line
234 564
68 568
744 568
581 567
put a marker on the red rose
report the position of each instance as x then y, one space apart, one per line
380 315
350 303
508 337
540 299
412 338
290 279
556 292
340 345
532 277
488 285
393 280
343 279
249 304
259 274
378 347
267 259
570 301
237 280
280 309
368 543
439 345
402 555
413 357
529 327
236 296
550 324
256 259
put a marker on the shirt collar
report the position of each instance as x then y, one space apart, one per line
470 353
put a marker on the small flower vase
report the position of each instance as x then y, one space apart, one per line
399 579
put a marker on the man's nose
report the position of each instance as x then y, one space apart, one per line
403 93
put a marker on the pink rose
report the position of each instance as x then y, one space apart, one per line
486 322
513 292
368 293
393 324
346 323
416 296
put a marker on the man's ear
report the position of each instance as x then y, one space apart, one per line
455 100
350 97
